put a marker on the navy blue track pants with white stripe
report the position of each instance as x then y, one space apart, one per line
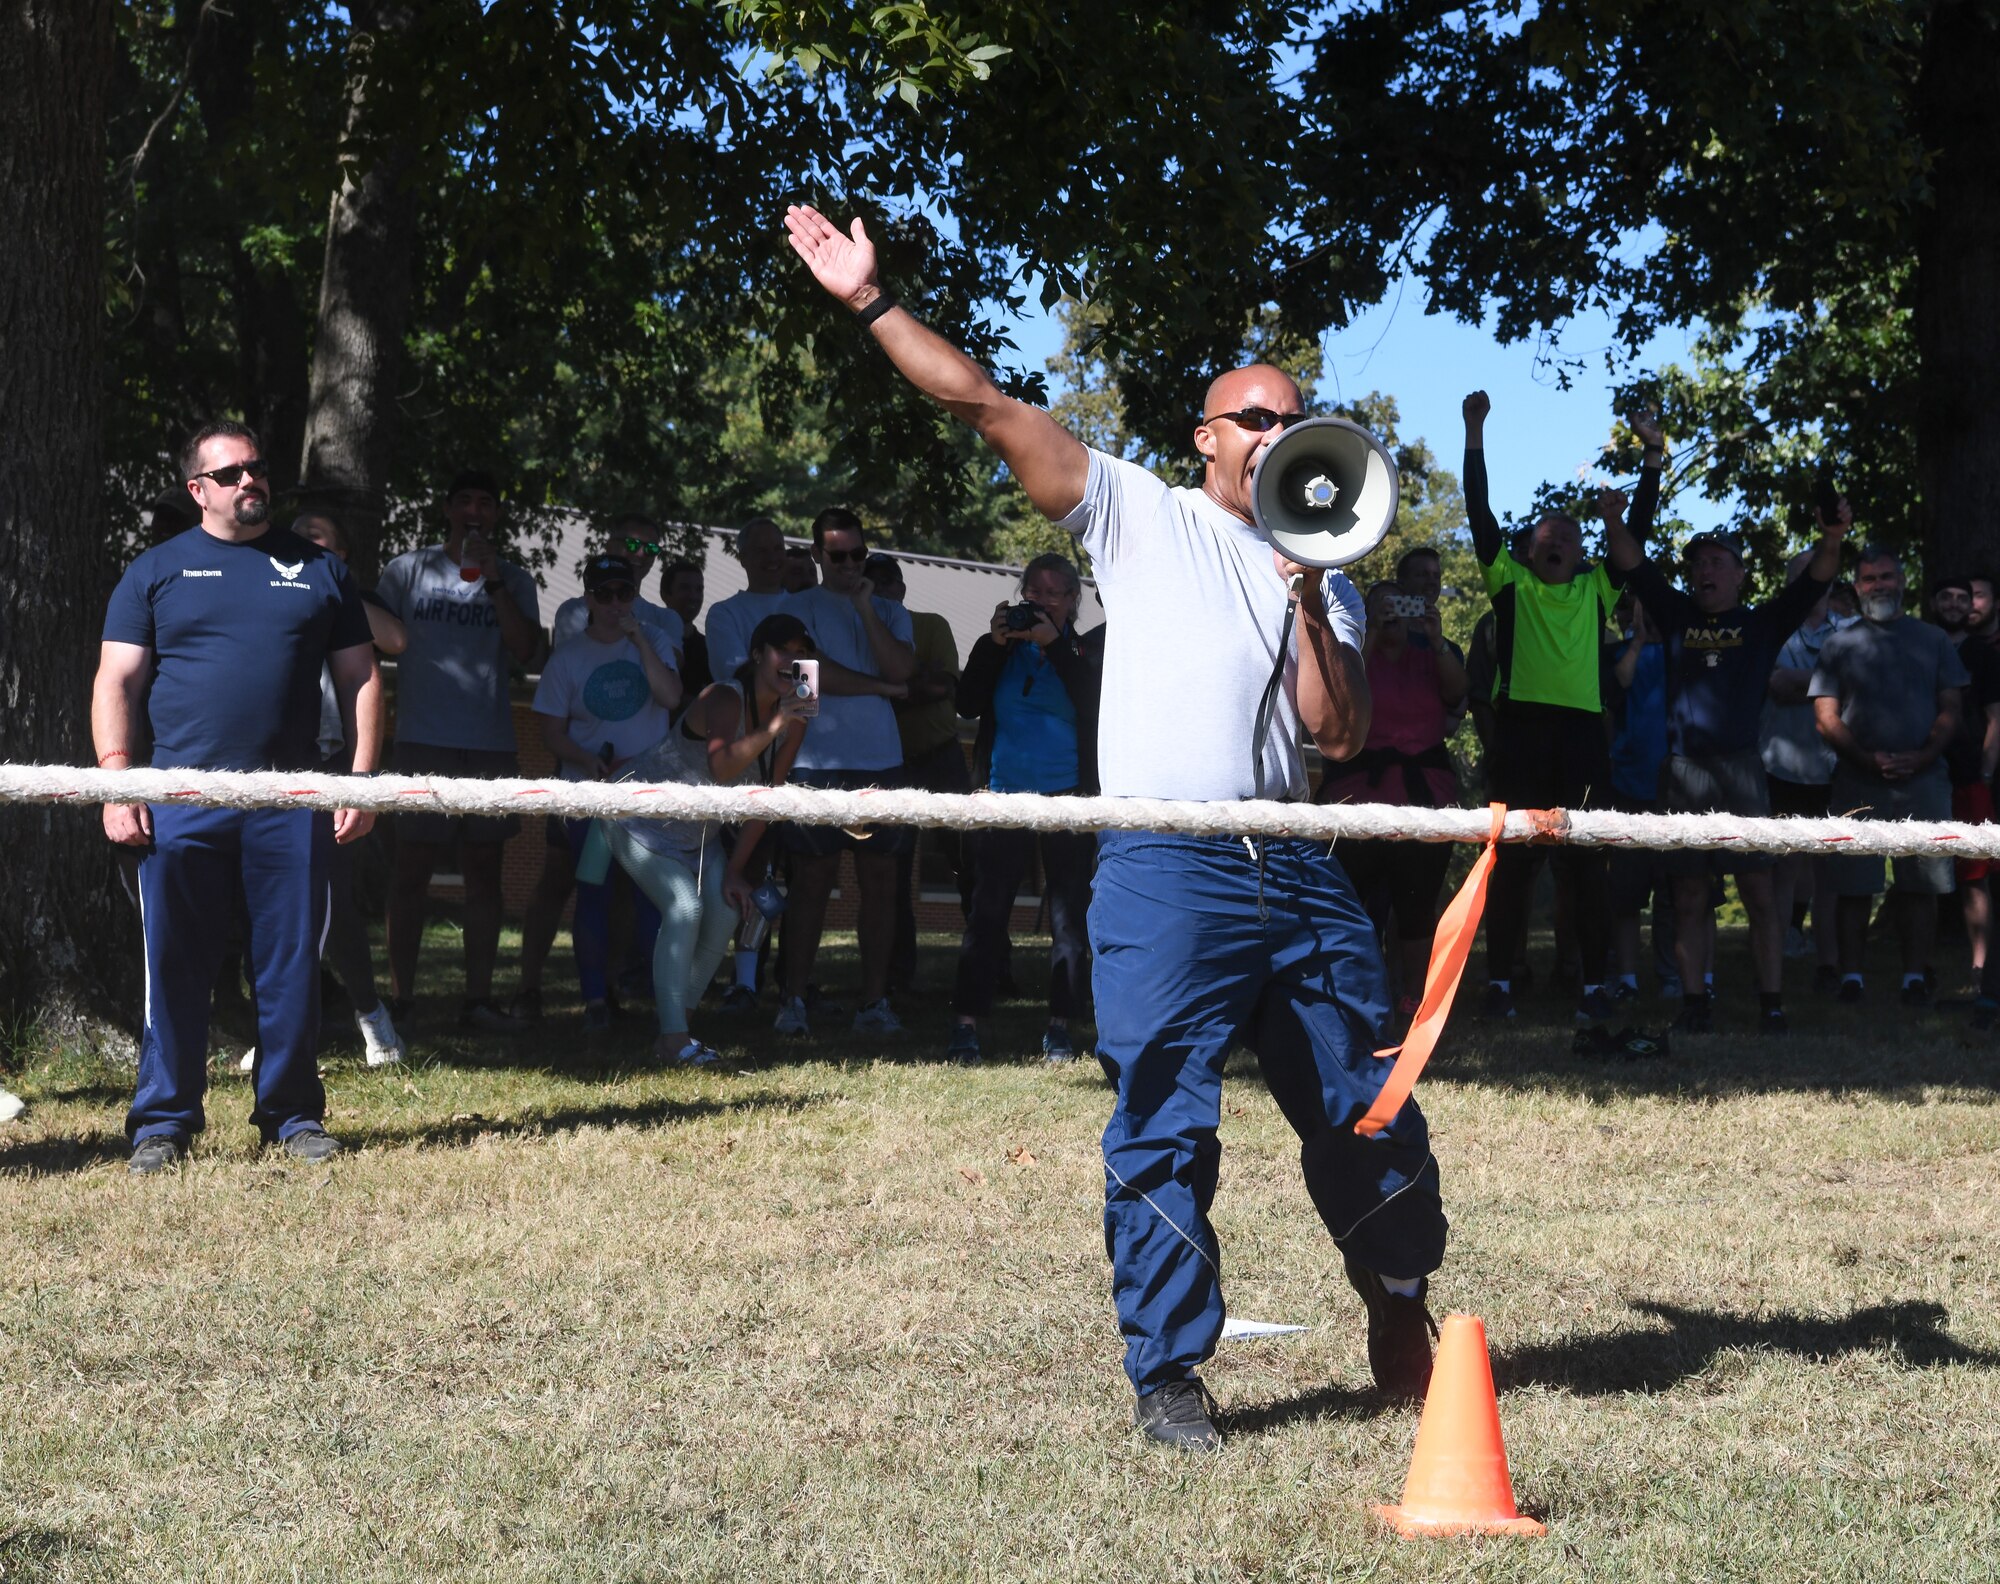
1188 963
207 867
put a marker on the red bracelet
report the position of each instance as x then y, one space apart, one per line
116 753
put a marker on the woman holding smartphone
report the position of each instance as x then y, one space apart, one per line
749 725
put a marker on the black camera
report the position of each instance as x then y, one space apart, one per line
1025 617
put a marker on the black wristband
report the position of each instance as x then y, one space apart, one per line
881 305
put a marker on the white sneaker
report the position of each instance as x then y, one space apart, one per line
249 1060
378 1033
792 1016
696 1054
11 1105
877 1018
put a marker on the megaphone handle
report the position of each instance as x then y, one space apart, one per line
1297 584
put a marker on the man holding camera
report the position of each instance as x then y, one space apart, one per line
1032 683
1205 942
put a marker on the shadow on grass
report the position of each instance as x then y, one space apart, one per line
1321 1403
1889 1055
32 1551
1632 1360
49 1157
467 1128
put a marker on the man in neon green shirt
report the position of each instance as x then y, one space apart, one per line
1550 610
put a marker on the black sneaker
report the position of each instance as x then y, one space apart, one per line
312 1145
1826 979
1496 1003
1917 993
1849 993
739 998
1773 1022
484 1017
156 1154
820 1004
1181 1414
1400 1332
1695 1018
1596 1007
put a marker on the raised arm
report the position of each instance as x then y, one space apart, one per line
1646 498
1485 526
1050 462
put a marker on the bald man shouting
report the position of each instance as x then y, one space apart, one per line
1211 665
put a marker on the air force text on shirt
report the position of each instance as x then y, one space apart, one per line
460 611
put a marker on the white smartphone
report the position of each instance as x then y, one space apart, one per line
805 683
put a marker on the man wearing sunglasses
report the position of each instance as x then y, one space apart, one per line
635 539
1202 943
470 618
213 646
867 657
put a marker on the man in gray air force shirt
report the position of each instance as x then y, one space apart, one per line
1204 942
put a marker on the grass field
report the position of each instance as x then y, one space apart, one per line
844 1313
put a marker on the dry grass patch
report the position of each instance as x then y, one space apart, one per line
565 1316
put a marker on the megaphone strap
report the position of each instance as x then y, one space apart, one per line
1267 706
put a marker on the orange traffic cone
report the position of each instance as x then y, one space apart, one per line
1458 1475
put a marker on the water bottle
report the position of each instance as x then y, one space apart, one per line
767 903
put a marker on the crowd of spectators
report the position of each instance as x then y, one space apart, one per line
1826 697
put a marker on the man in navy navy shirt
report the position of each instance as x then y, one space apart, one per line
216 638
1720 655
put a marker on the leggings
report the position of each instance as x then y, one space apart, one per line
1546 756
695 922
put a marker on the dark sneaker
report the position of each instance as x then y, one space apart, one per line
1849 993
1695 1018
312 1145
1826 979
820 1004
1056 1046
1773 1022
155 1154
1180 1414
1917 993
526 1006
1496 1003
1596 1007
964 1046
739 998
485 1018
1621 993
1400 1332
596 1016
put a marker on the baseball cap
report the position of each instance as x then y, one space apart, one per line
1716 539
473 478
879 563
602 571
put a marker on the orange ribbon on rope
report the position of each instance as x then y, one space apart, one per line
1451 946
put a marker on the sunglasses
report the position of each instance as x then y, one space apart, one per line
837 557
647 545
227 477
619 594
1260 420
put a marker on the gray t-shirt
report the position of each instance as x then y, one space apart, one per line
1789 742
573 615
730 624
1887 676
451 679
1193 606
856 732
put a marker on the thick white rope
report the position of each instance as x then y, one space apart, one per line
392 794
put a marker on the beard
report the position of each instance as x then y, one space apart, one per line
1953 622
250 510
1881 607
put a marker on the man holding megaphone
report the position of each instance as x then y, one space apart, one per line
1205 942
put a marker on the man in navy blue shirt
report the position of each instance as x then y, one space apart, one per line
1720 655
213 646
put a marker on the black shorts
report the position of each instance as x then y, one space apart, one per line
1799 800
829 841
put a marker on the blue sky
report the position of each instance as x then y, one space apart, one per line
1428 362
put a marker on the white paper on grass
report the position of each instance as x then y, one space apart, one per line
1235 1330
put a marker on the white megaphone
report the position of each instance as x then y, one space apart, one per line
1324 492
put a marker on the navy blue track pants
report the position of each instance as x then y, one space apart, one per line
1200 946
207 866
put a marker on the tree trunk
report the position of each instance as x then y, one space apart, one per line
68 939
1958 289
365 291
